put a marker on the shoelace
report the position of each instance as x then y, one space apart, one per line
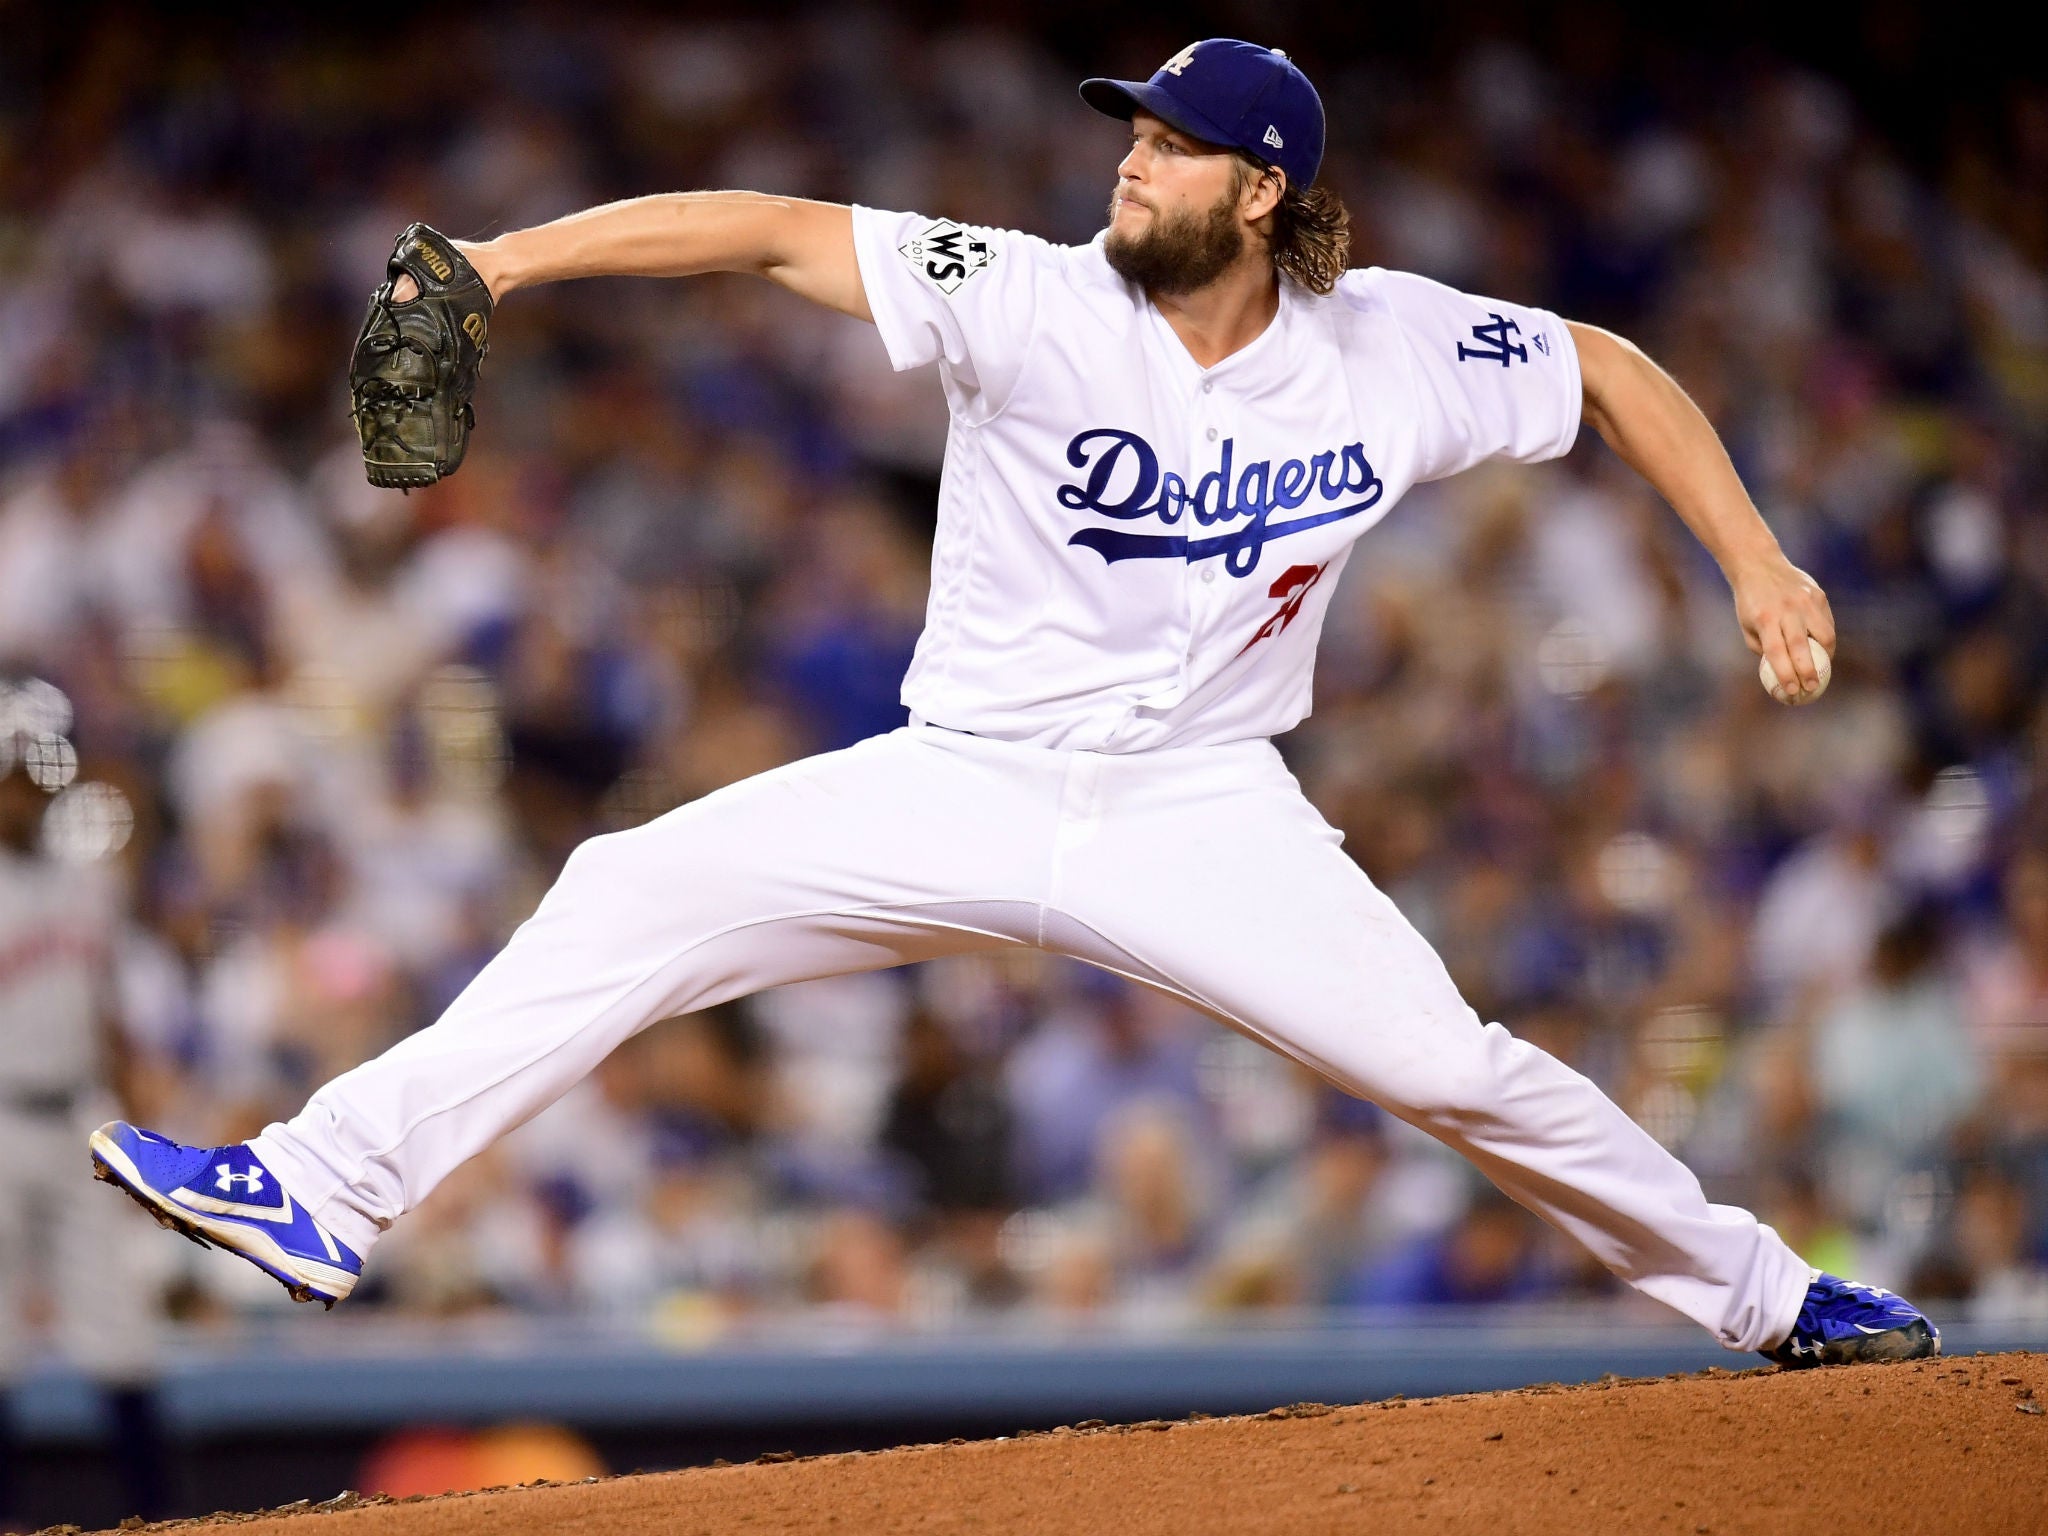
371 394
394 340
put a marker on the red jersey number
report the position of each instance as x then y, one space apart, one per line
1291 585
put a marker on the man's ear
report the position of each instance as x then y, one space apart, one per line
1262 193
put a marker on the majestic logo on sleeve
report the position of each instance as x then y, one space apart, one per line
947 254
1239 502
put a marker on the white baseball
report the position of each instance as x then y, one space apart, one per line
1821 664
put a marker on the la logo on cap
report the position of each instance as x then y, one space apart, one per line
1180 61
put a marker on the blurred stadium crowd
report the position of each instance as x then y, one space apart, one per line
348 735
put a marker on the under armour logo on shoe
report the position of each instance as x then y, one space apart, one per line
225 1180
1273 137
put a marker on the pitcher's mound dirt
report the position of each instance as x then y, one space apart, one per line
1939 1445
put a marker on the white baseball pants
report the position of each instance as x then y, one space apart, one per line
1202 871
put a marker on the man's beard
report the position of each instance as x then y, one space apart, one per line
1180 252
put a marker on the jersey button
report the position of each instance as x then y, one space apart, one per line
1212 434
1208 386
1208 573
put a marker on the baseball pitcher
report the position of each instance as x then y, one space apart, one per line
1163 446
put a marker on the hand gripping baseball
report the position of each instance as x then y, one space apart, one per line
416 362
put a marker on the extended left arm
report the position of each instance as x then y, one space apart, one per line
1653 425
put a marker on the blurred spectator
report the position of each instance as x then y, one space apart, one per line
857 1266
948 1118
1895 1068
1111 1045
69 1269
2000 1250
2009 974
1491 1253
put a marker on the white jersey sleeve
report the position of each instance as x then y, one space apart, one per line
960 295
1491 380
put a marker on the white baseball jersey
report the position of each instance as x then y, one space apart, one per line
1134 551
54 927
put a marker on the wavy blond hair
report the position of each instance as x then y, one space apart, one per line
1310 237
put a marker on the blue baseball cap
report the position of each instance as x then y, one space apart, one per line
1228 92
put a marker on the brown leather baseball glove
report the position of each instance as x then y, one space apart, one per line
415 363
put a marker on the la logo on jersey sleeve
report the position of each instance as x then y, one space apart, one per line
1497 342
947 254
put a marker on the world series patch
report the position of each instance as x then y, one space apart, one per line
947 254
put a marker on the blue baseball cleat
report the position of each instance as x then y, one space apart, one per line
222 1197
1843 1323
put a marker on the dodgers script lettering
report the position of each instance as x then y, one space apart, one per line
1124 481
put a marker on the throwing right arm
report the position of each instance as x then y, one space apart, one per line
804 246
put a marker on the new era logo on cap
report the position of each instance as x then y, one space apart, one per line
1228 92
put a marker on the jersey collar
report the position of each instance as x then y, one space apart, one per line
1242 366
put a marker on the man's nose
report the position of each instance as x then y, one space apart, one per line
1131 168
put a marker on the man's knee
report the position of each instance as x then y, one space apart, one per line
601 858
1459 1079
